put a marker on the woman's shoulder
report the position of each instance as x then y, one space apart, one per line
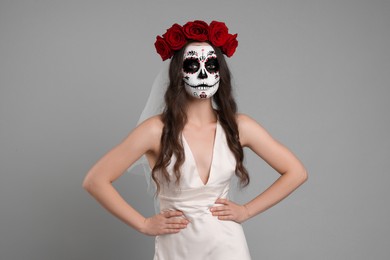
149 132
152 125
248 128
244 120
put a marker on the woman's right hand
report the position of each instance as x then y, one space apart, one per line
167 222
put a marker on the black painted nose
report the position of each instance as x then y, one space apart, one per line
202 74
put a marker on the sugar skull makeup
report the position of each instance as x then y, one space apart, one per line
200 71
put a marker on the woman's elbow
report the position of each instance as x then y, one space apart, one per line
298 174
302 175
89 182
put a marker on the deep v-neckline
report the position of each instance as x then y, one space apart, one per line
212 156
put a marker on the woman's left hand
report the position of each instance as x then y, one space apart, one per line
230 211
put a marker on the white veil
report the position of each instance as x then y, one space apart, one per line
154 106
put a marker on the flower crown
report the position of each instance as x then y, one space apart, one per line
177 36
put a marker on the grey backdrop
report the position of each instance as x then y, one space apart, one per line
75 75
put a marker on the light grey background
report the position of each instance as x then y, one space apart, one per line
74 76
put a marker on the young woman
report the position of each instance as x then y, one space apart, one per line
194 149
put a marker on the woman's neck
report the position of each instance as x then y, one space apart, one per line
200 112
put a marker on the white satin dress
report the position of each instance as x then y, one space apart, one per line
205 237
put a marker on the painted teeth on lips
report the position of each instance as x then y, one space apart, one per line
202 87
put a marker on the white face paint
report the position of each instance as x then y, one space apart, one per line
200 71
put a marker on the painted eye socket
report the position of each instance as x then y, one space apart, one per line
212 65
191 65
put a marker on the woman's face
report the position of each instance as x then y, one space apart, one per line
200 70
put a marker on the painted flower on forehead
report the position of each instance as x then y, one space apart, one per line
177 36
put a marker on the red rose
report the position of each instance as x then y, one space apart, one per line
230 46
218 33
175 37
196 30
163 48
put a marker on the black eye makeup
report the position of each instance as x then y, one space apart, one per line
191 65
212 65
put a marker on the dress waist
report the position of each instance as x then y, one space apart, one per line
193 202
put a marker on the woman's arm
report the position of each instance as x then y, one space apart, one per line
292 171
98 181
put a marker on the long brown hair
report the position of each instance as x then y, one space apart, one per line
174 118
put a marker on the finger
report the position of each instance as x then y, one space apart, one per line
177 221
228 217
219 208
222 213
176 226
172 213
222 201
